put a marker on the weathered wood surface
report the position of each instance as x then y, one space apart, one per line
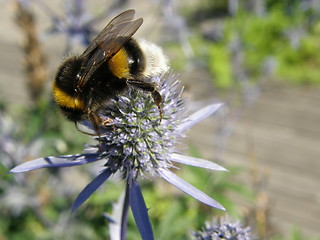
279 134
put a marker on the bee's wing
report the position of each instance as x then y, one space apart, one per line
124 17
109 41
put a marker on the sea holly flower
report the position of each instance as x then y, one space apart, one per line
137 144
224 228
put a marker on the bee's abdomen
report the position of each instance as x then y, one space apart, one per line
136 57
119 64
128 61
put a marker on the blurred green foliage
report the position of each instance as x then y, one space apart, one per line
219 65
284 33
301 65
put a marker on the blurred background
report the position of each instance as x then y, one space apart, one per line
260 57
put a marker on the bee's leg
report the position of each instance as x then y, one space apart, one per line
148 87
95 120
97 123
107 122
157 98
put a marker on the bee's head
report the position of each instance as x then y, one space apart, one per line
66 77
65 85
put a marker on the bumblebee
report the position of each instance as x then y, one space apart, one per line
112 63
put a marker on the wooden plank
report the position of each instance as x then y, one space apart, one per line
298 113
280 133
12 81
291 203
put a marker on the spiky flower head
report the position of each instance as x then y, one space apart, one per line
137 141
224 228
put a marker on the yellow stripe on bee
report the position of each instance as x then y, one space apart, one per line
65 100
119 65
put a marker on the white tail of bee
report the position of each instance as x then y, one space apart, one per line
156 63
